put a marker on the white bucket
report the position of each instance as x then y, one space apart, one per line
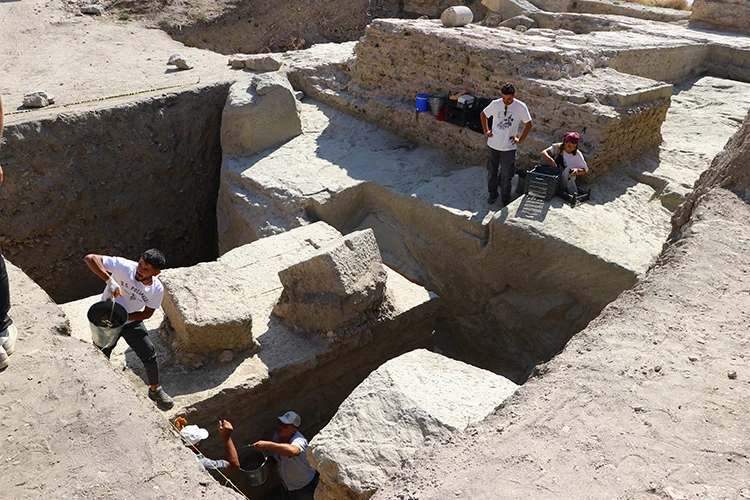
459 15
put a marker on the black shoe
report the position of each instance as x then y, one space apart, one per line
493 198
162 399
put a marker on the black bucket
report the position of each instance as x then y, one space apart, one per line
253 466
106 320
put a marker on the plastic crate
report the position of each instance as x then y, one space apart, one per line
542 182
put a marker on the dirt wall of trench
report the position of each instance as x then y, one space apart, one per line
138 173
494 279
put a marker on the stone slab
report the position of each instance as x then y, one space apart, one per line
410 401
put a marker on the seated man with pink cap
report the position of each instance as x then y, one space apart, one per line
566 155
288 449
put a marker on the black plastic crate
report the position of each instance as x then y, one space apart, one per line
583 195
459 114
542 182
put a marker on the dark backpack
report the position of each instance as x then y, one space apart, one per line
474 122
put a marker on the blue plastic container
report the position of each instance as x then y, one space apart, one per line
422 102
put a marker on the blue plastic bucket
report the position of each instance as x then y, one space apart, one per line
422 102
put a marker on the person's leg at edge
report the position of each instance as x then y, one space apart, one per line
507 171
7 337
136 335
570 183
493 161
5 320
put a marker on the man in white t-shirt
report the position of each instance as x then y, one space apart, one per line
135 286
502 140
288 449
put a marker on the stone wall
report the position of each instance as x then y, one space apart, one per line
565 87
116 180
729 15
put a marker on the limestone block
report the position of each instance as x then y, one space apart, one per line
93 9
410 400
38 99
180 61
206 307
510 8
259 113
334 287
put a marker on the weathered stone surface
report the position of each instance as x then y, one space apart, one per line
256 62
206 308
414 399
730 15
38 99
180 61
93 9
334 287
259 113
510 8
613 7
519 21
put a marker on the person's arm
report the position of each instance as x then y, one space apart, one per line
581 166
547 155
146 313
96 264
485 125
1 135
283 449
526 130
225 431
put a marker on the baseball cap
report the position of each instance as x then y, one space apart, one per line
572 137
192 434
290 418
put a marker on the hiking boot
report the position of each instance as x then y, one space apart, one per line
162 399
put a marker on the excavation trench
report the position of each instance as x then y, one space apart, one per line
146 173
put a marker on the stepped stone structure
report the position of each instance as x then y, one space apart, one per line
408 404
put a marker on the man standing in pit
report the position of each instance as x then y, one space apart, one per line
507 115
135 286
288 449
8 332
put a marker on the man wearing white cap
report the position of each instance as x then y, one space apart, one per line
192 435
288 449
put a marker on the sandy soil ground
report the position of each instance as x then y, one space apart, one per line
82 58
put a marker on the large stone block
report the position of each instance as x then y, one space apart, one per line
206 308
410 400
259 113
336 286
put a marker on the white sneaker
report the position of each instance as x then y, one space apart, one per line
7 346
10 342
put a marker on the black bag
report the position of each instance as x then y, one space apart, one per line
474 122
